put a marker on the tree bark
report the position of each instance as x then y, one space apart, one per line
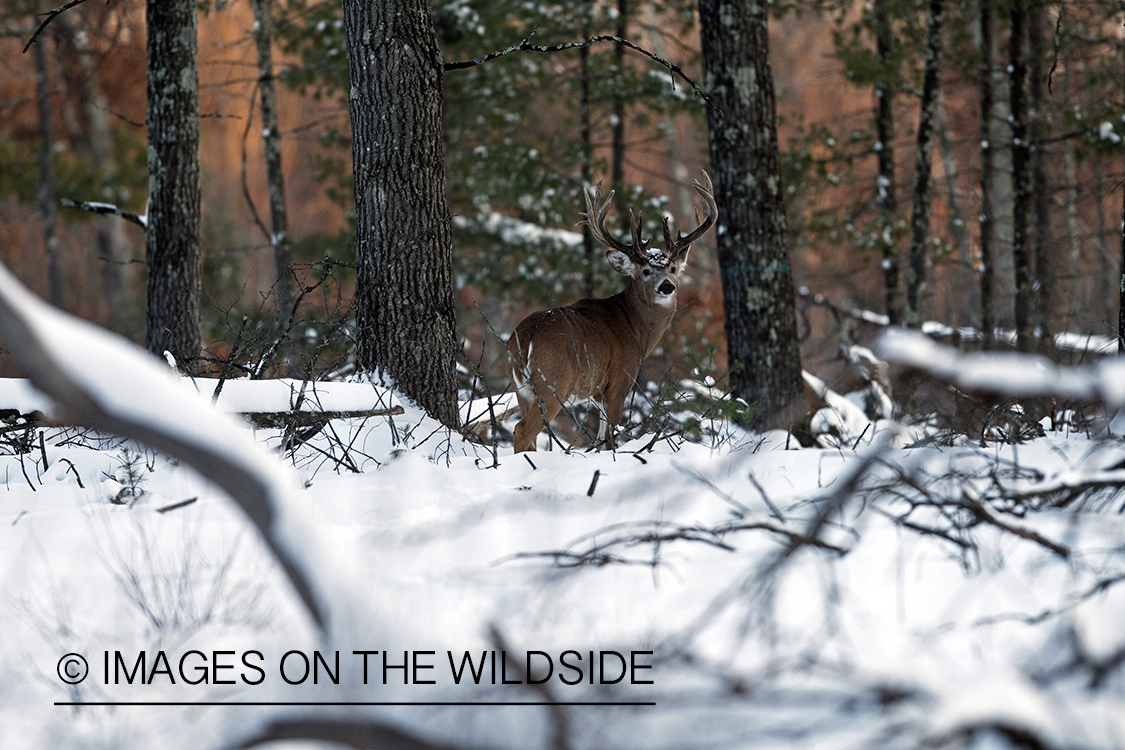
586 160
987 185
1121 281
1022 254
923 167
275 177
48 187
404 307
172 231
885 90
620 101
752 231
1045 274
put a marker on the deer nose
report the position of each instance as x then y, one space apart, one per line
667 288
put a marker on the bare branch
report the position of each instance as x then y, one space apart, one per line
985 513
50 16
294 418
527 46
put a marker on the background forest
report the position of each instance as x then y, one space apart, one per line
526 131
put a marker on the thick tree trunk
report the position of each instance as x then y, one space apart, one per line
404 265
172 232
753 233
987 186
923 167
275 177
885 90
1022 249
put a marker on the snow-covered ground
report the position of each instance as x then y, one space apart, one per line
676 559
687 596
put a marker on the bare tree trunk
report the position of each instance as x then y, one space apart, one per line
275 177
172 232
95 141
753 240
1121 295
48 188
617 178
958 228
923 167
1105 270
685 196
585 160
1022 249
1045 275
1121 286
1074 244
885 92
987 172
404 307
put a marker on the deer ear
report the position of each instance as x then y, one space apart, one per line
621 262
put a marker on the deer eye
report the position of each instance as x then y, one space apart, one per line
647 271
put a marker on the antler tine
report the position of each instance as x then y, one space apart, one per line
595 217
680 245
639 245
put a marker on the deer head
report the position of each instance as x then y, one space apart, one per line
653 268
593 348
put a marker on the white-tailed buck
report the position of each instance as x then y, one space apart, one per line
594 347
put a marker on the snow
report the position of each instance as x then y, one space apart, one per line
512 230
876 596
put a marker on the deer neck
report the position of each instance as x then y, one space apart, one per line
647 321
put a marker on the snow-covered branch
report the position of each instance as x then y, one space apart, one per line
1007 374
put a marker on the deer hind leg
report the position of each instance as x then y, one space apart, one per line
605 428
538 406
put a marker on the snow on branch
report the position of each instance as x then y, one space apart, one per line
1009 374
107 383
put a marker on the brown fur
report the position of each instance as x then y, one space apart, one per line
593 348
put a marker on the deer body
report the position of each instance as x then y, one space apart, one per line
594 348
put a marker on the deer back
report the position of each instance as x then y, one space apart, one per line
580 349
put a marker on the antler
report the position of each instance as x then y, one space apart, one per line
679 246
594 217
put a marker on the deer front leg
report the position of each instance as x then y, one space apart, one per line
612 404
